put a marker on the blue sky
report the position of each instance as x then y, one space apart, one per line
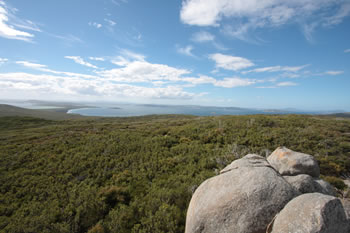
244 53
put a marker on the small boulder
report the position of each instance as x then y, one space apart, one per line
291 163
244 198
324 187
306 184
303 183
312 212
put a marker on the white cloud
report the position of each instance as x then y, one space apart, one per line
94 24
186 51
159 83
126 57
60 84
110 22
347 51
202 79
308 30
3 60
27 25
333 72
69 39
234 82
136 78
8 25
143 71
277 69
290 75
44 68
286 84
31 65
343 11
239 32
97 58
201 12
203 36
168 92
75 86
120 61
138 70
230 62
248 15
132 55
79 60
226 82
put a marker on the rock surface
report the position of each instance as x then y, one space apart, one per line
346 205
303 183
291 163
243 199
250 160
250 195
325 187
306 184
312 213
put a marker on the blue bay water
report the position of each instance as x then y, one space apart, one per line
141 110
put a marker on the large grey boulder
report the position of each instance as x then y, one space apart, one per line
250 160
307 184
291 163
243 199
312 213
346 205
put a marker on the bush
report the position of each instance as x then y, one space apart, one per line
137 174
335 181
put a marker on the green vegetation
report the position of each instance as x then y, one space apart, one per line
335 181
138 174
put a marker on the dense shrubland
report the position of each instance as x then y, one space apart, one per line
138 174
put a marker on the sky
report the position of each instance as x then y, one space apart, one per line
242 53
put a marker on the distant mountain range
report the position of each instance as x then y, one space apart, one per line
58 110
344 114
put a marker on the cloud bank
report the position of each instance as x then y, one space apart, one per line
10 25
239 17
135 77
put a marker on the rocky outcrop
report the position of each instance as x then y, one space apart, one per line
291 163
243 199
250 192
312 212
250 160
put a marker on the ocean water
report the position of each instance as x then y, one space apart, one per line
105 109
142 110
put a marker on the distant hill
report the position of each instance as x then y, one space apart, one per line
343 114
50 114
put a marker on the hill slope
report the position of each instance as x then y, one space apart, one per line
138 174
50 114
